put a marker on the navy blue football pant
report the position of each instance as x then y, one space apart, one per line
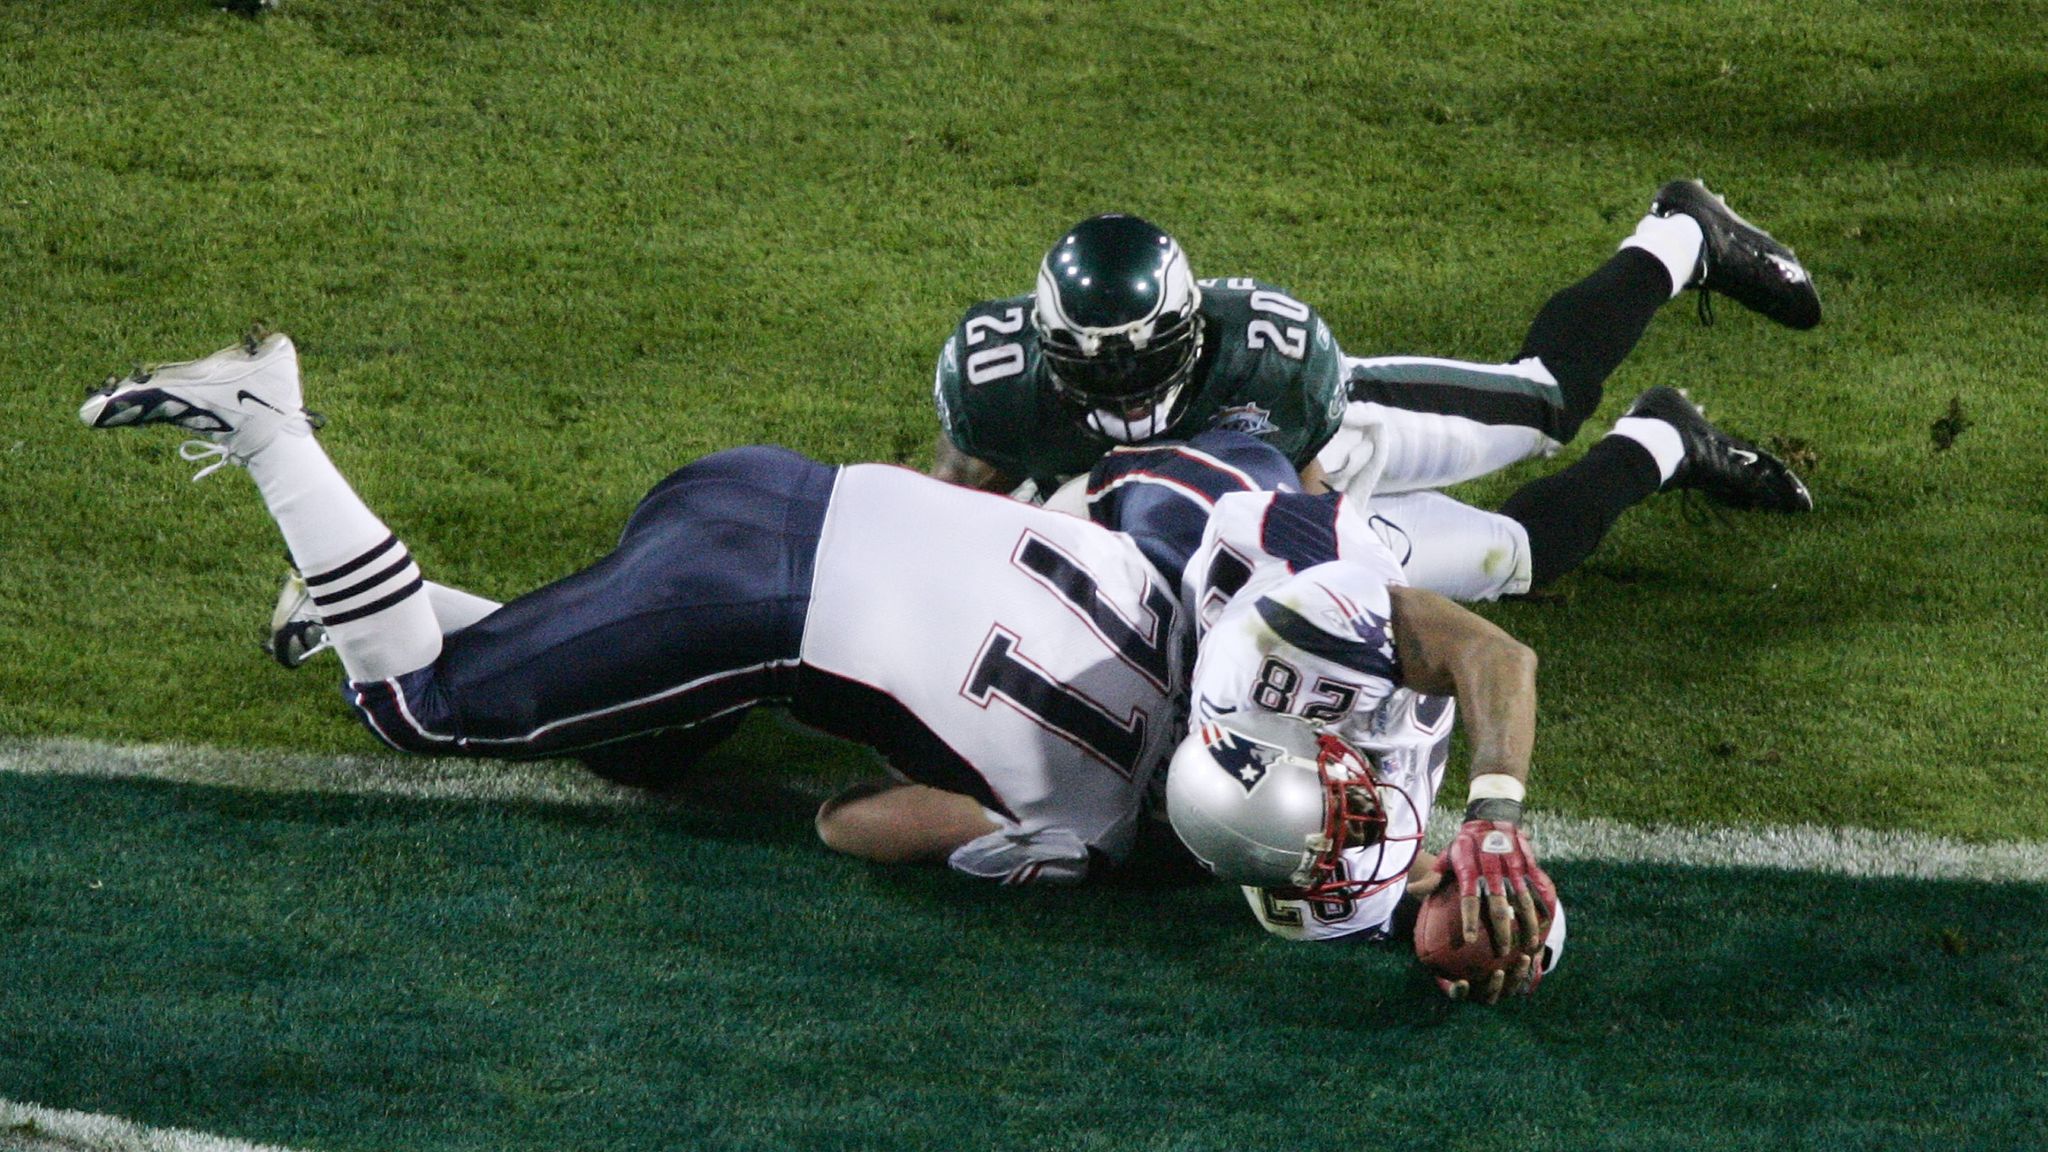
646 659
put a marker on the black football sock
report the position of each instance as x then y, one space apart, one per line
1585 331
1569 512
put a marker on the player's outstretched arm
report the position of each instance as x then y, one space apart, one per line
953 466
1448 650
891 822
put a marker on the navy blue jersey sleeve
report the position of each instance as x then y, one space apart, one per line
1301 529
1161 494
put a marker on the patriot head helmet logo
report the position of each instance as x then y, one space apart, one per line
1243 757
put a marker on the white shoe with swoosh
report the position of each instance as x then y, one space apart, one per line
239 399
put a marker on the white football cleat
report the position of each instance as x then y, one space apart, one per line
239 399
296 633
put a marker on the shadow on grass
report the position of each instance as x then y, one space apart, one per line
1973 115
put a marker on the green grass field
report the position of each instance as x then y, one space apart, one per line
535 255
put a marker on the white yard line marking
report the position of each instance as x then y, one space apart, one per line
418 778
1800 848
27 1128
1859 852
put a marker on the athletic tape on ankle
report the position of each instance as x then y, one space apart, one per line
1659 439
1496 786
1675 241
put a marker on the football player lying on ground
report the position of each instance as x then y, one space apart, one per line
1120 344
758 576
1017 668
1284 583
1322 702
1164 496
1162 493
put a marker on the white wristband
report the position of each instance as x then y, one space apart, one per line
1496 786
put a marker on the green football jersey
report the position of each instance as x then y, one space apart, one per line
1268 367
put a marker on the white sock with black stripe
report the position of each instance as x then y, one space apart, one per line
368 590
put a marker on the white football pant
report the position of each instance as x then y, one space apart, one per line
1452 548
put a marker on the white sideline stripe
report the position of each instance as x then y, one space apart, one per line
1855 852
27 1128
416 777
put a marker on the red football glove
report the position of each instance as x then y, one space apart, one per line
1493 859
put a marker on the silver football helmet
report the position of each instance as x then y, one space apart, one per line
1273 801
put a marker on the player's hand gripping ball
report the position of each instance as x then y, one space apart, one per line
1518 941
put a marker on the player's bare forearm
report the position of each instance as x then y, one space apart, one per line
953 466
1447 650
891 822
1314 480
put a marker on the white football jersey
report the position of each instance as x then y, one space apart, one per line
1025 657
1291 592
1254 540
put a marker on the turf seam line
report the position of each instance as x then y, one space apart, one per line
1855 852
33 1129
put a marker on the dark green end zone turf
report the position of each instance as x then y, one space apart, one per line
383 974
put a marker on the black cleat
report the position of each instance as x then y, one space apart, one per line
1727 469
1740 260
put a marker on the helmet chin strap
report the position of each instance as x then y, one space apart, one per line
1129 430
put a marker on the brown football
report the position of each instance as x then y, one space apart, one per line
1443 951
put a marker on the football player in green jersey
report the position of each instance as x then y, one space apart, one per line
1123 345
1120 344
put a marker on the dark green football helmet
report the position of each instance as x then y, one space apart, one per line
1119 324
